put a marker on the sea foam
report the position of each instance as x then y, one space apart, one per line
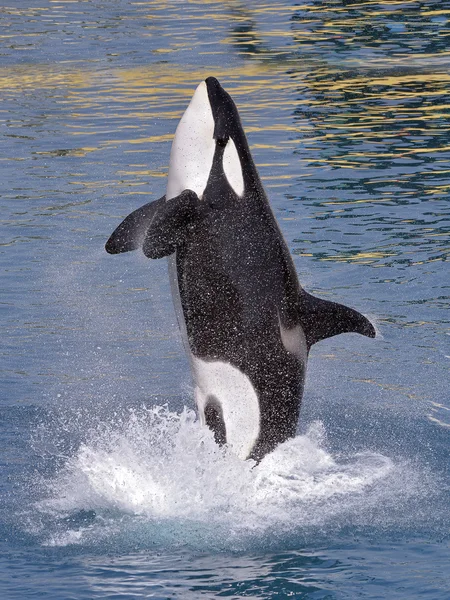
156 477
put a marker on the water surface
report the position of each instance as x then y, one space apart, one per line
109 487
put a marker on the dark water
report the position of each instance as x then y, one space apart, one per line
109 488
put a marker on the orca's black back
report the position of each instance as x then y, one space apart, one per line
237 285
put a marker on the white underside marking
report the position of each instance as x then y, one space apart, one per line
294 341
232 168
237 398
193 147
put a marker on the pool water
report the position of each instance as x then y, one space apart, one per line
109 487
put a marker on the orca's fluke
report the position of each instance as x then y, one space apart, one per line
322 319
156 227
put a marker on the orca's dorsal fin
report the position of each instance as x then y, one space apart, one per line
156 227
321 319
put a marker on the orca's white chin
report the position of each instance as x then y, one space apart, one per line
193 147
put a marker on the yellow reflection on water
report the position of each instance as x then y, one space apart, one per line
296 88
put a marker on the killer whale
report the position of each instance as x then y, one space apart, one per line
247 323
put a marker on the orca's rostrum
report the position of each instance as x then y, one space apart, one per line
248 324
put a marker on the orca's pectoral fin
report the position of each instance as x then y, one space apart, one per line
156 227
322 319
130 234
169 226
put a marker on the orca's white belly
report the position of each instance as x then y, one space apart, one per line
235 394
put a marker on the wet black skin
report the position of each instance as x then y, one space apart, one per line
238 283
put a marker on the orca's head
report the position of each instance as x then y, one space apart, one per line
209 145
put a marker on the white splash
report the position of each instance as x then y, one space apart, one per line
160 477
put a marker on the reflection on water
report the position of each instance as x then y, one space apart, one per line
356 94
292 574
346 106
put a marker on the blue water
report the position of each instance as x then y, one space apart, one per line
109 487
